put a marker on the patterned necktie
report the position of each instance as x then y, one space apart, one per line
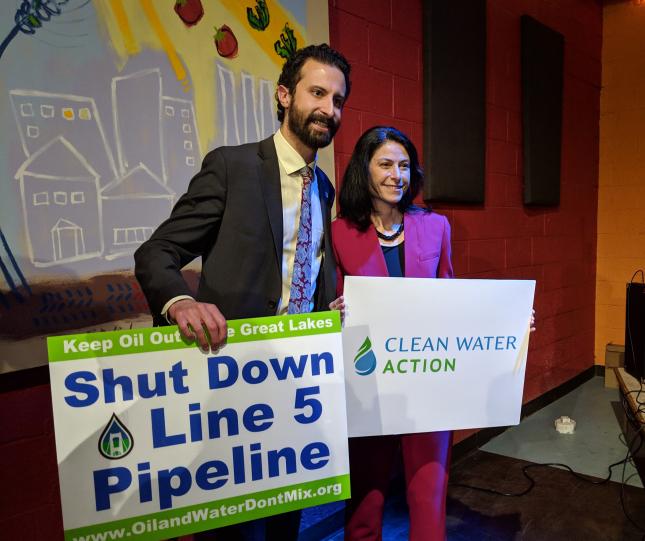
300 296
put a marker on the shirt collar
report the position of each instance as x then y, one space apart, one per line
289 159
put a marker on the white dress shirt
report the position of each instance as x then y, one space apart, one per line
291 165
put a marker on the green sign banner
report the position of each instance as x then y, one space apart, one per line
156 439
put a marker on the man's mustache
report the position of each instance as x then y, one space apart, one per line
329 122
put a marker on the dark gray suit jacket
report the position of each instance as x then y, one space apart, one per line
231 216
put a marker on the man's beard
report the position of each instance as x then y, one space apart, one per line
301 127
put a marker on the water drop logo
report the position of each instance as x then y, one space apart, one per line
116 440
365 360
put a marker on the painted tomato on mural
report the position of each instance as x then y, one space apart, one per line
189 11
225 41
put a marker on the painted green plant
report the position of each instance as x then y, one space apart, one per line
258 17
287 45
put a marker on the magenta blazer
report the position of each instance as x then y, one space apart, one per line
426 248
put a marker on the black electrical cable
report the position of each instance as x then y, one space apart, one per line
629 328
639 433
642 275
638 392
632 419
532 481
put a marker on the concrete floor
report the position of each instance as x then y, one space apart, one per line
596 443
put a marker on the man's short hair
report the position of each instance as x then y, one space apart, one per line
322 53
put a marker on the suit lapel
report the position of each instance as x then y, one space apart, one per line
372 246
326 287
326 200
269 179
411 246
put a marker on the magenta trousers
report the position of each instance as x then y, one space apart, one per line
426 460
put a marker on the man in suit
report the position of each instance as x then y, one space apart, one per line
259 216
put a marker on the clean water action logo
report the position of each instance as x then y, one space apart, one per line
365 360
116 441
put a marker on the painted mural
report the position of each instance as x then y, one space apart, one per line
106 109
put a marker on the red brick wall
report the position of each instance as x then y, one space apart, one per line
384 47
30 498
382 39
502 238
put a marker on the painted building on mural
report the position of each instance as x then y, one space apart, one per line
130 208
108 110
136 110
61 207
43 116
181 153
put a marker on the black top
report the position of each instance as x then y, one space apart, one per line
395 260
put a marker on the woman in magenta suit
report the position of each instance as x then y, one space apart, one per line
381 233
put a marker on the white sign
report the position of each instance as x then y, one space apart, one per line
156 439
427 354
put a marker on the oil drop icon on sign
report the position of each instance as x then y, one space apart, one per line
365 360
116 441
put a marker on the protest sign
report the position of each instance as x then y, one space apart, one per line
156 439
427 354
